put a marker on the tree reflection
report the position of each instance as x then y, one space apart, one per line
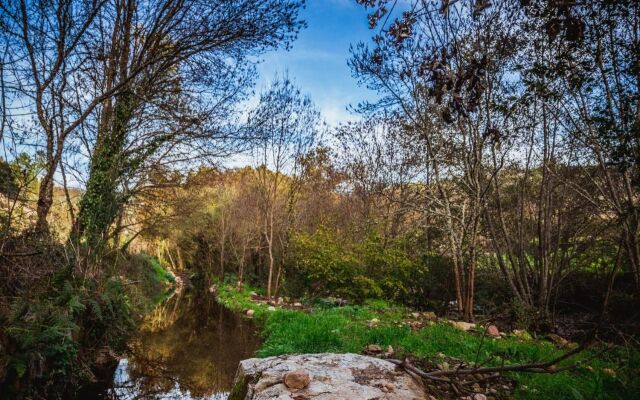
189 347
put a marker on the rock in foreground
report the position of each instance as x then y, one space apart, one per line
332 376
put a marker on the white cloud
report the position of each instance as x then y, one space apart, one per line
336 113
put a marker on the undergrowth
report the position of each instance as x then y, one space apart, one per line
58 332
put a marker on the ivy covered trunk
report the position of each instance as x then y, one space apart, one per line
101 202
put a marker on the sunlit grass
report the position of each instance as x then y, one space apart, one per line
347 330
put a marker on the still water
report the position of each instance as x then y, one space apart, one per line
188 348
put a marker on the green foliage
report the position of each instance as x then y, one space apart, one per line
150 281
160 274
56 329
53 333
101 201
366 270
347 329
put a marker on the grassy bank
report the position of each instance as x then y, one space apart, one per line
348 329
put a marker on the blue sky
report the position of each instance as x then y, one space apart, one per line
317 61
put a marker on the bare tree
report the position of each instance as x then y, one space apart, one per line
286 125
441 71
46 50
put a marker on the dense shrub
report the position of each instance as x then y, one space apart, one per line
323 264
61 330
56 334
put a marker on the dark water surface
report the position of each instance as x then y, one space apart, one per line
188 348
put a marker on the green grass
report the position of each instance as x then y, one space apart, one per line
346 330
152 282
161 275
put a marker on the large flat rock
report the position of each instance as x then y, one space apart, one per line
333 376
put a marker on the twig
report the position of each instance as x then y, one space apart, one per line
32 253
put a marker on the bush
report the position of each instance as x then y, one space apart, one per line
322 264
55 333
60 331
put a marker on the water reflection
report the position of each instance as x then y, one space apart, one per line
188 348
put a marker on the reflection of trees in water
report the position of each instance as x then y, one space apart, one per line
163 316
190 342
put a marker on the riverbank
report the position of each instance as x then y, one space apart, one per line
62 331
324 327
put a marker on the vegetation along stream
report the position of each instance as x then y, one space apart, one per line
187 348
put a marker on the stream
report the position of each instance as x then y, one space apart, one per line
188 348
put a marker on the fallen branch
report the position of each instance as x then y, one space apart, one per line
549 367
32 253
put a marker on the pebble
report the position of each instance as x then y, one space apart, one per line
298 379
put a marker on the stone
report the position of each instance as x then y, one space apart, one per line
254 295
341 302
558 340
271 308
297 305
298 379
465 326
415 314
250 313
332 376
373 349
493 331
389 352
444 366
430 316
374 322
479 396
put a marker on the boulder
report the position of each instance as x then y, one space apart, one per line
330 376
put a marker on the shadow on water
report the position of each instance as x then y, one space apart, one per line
188 348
